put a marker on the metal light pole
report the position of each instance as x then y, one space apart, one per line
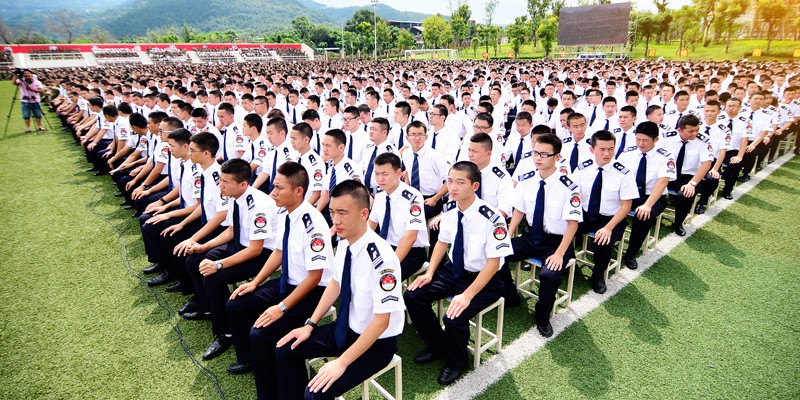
375 26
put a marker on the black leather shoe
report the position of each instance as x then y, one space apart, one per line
188 307
99 173
679 230
124 203
197 315
425 357
728 197
744 178
217 347
93 169
137 214
759 168
160 279
631 263
177 287
545 330
526 267
239 368
127 207
448 376
700 209
599 286
119 194
152 269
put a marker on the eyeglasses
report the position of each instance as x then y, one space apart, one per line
481 128
435 114
346 120
258 104
417 135
542 155
163 131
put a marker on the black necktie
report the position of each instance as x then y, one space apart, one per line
594 114
518 155
236 227
401 139
433 145
573 158
332 183
641 176
285 258
681 154
678 122
180 184
597 190
350 147
386 218
415 172
606 126
319 145
458 248
370 168
203 217
224 132
274 171
537 227
342 322
621 145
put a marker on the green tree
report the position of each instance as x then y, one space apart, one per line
488 10
436 31
497 35
729 11
459 20
706 11
405 40
475 44
548 33
537 10
384 36
187 33
64 22
361 15
646 27
302 27
518 33
555 7
685 19
772 12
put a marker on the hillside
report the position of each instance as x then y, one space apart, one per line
340 15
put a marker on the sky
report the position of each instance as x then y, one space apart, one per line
505 12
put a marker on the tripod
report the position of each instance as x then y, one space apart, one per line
11 109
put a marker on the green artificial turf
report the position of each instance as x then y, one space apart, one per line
716 318
75 322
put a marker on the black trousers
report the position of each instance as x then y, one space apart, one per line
749 159
413 261
730 173
683 204
257 345
710 184
155 246
430 212
291 368
92 155
602 253
641 228
141 204
549 280
452 341
211 292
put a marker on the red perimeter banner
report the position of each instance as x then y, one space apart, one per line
601 24
87 48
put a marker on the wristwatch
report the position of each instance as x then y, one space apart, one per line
218 265
282 307
310 323
693 183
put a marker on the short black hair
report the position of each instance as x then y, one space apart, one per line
472 170
304 128
483 139
541 129
552 140
138 120
174 123
648 128
181 136
688 120
279 124
338 136
254 121
524 115
295 174
602 135
239 169
354 189
383 122
630 109
206 142
388 158
110 111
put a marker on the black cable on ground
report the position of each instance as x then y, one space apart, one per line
172 317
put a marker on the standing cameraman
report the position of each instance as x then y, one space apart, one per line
30 88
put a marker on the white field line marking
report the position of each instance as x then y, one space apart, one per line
478 380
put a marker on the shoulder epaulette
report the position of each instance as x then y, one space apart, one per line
374 255
348 168
663 152
307 222
621 168
526 155
408 195
486 212
312 159
526 175
566 139
450 205
721 117
587 163
742 118
497 171
670 134
617 130
250 201
568 182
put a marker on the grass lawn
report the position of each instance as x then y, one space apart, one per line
780 50
76 321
